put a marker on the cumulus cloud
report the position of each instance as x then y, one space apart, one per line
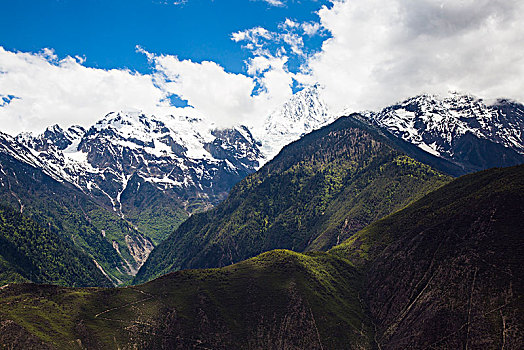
310 28
381 52
289 38
226 98
39 89
376 53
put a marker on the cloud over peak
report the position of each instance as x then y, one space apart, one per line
366 54
47 90
381 52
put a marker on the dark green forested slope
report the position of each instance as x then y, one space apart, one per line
66 211
316 193
30 253
446 272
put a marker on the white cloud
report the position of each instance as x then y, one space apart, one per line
46 90
278 3
381 52
256 39
310 28
224 97
38 89
378 53
289 38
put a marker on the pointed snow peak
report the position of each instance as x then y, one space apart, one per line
55 129
304 112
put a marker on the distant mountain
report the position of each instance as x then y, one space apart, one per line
301 114
116 246
443 273
30 253
143 175
154 171
316 193
132 163
463 129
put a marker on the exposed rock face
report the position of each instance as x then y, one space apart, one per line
467 130
139 248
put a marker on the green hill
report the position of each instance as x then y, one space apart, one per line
30 253
279 299
315 194
443 273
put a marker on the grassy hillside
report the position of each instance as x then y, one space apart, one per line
443 273
30 253
280 299
315 194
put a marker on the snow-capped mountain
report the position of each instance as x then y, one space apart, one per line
303 113
178 154
189 159
152 171
459 127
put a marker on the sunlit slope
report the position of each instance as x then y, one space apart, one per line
315 194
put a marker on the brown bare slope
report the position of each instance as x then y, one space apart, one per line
447 271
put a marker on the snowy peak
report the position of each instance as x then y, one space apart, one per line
180 156
53 136
174 137
435 124
303 113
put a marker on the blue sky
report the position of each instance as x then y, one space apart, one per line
107 32
231 61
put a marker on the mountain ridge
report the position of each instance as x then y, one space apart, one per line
299 200
460 128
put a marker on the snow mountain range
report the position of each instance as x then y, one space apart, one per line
150 172
188 158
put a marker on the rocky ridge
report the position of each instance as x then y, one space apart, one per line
472 132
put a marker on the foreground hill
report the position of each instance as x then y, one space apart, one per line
29 253
280 299
445 272
316 193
